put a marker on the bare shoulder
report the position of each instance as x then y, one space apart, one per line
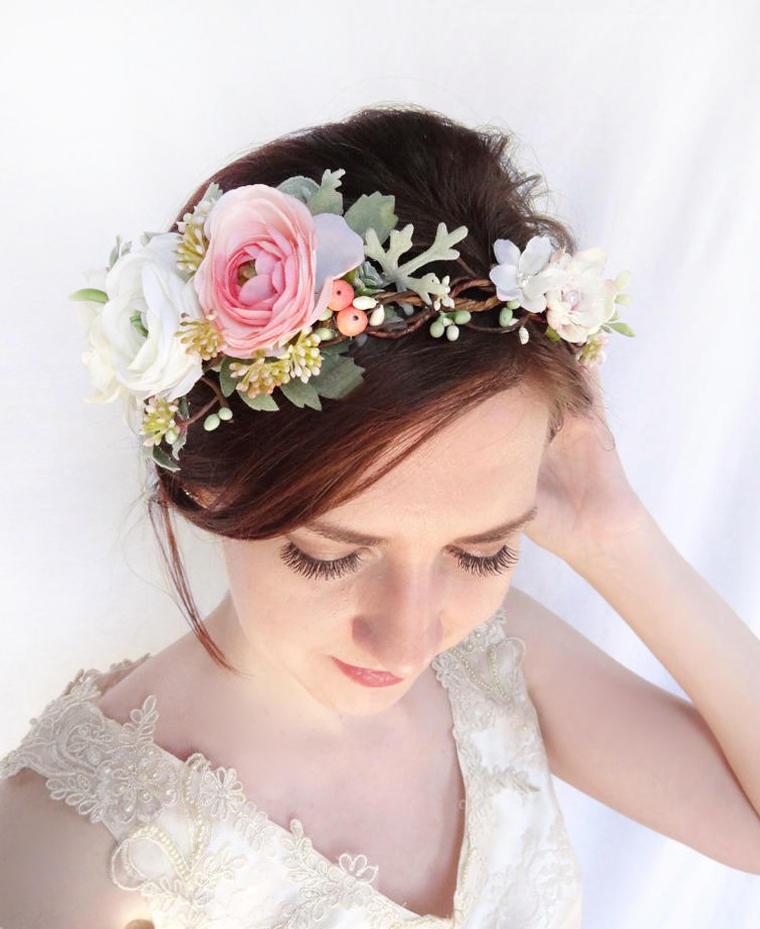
55 863
549 640
164 675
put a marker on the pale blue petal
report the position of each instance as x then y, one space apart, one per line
537 253
339 248
504 276
507 253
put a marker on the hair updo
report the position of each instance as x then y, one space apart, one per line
270 472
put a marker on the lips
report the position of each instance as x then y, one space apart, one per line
367 676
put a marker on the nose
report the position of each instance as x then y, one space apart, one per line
404 631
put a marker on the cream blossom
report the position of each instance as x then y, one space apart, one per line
584 301
133 337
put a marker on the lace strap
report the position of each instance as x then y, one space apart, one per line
111 773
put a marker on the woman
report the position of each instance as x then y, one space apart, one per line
363 731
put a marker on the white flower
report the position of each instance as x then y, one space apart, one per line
99 360
585 300
528 275
143 283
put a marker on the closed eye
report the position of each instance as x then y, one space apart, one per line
324 569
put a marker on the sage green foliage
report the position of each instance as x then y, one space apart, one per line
319 198
90 293
622 328
373 211
263 403
366 279
163 459
121 248
227 382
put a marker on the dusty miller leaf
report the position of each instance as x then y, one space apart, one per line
373 211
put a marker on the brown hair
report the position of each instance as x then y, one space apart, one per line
270 472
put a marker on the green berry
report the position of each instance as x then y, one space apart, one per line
505 316
452 332
513 304
324 333
462 316
436 329
211 422
171 436
224 413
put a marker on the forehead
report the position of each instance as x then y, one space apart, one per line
477 471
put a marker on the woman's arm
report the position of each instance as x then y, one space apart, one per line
708 649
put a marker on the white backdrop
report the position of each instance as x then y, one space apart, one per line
644 117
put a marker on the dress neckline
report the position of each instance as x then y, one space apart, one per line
296 826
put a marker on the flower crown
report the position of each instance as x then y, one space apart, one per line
268 286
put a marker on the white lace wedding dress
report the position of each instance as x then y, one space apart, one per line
206 857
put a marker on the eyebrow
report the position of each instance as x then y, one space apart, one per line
350 537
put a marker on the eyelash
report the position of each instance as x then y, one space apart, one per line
304 564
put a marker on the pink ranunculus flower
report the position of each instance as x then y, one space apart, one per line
269 266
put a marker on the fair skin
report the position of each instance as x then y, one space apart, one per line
409 599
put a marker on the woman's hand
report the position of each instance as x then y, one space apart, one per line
584 499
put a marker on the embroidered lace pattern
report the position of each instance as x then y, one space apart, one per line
204 856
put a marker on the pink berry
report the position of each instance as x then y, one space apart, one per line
342 295
351 321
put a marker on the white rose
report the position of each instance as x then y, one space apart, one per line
585 301
123 360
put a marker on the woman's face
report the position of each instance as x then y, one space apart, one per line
299 600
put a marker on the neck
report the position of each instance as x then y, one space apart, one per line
273 695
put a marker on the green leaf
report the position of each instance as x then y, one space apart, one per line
299 186
182 408
327 199
622 328
366 279
227 382
553 334
163 459
136 320
301 394
147 236
375 211
338 376
90 293
262 402
121 248
180 443
115 252
335 348
392 314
